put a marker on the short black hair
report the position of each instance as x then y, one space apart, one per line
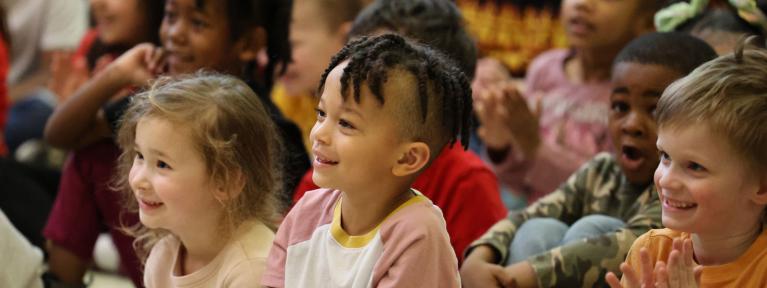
442 94
678 51
437 23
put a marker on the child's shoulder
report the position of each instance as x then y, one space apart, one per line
550 59
253 240
417 219
317 200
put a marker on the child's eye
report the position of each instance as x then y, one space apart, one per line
162 165
619 106
199 23
695 167
320 114
664 158
170 16
345 124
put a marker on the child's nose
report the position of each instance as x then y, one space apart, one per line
634 125
319 133
137 179
177 32
666 178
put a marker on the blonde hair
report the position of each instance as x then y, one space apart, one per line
729 94
231 130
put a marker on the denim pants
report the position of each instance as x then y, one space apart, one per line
539 235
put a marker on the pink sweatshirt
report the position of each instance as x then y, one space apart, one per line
573 127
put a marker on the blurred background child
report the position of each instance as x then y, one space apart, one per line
539 135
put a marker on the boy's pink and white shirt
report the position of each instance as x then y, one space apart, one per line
410 248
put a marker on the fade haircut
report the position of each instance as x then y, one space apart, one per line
678 51
729 95
440 99
437 23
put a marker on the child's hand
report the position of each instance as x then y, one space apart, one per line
477 271
523 121
489 73
681 271
66 75
140 64
630 276
493 118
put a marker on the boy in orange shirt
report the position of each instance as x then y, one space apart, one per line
712 181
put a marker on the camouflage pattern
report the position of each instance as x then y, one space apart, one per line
599 187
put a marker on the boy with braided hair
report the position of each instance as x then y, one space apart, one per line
367 227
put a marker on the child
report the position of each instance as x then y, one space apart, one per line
224 36
198 156
386 105
457 181
533 148
573 236
712 180
318 31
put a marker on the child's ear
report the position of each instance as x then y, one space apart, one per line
250 43
761 195
227 191
412 159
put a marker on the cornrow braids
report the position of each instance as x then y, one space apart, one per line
371 59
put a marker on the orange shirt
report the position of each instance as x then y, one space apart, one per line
747 271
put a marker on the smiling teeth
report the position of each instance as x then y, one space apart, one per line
681 205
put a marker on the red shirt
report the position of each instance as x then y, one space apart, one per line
460 184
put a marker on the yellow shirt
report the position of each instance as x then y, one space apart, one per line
746 271
299 109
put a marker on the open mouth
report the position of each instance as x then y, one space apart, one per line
631 157
631 153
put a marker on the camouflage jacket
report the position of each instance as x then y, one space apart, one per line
599 187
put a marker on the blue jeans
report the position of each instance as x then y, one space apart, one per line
539 235
27 117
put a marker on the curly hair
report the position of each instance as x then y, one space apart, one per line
233 134
442 96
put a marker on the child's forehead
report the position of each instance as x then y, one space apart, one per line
207 7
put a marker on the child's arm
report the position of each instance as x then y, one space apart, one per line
79 120
565 203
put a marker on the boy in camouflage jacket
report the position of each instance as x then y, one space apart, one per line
575 235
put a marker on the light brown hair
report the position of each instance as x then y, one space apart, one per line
729 94
231 130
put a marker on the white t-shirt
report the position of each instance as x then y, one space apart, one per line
410 248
